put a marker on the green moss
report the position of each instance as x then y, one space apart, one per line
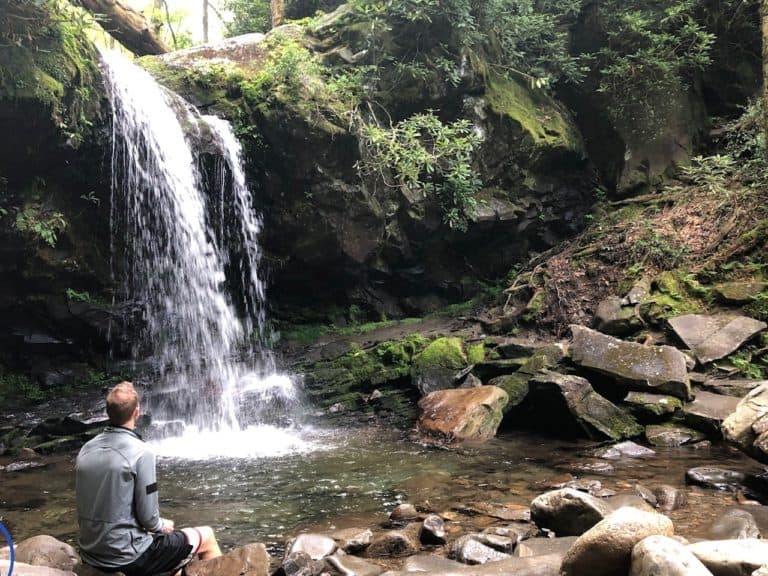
516 387
539 115
445 353
476 353
675 294
534 307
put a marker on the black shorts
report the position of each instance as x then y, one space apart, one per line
167 554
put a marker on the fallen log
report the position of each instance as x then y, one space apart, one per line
126 25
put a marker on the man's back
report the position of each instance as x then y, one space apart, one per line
116 498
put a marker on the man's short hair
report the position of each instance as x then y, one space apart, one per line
122 400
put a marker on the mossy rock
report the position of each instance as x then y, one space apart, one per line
437 366
546 122
516 387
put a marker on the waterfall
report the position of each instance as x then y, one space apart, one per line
186 260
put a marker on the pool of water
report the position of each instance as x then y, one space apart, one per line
354 478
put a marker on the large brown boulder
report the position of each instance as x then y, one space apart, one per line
462 414
645 368
46 550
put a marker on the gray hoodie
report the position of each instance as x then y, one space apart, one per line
117 505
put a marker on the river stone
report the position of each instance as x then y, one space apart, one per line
738 427
248 560
628 501
646 494
543 546
469 550
515 385
432 564
433 530
738 387
644 368
624 449
714 337
731 557
548 565
671 435
352 566
47 551
396 542
752 485
352 539
568 512
467 414
22 569
668 497
518 530
663 556
606 548
598 417
511 512
652 407
317 546
438 365
734 524
708 411
738 292
300 564
612 317
403 514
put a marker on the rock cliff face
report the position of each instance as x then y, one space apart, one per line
54 197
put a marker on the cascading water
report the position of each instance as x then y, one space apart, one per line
188 240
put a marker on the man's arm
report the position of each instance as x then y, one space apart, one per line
145 498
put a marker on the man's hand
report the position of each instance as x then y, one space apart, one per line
168 526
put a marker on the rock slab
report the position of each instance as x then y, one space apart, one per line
731 557
714 337
644 368
248 560
663 556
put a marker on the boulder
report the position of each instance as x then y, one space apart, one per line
548 565
752 485
596 416
714 337
738 292
432 530
248 560
568 512
316 546
465 414
469 549
672 435
352 539
708 411
644 368
517 530
739 427
516 387
403 514
734 524
624 450
648 407
300 564
352 566
663 556
606 549
47 551
612 317
669 498
731 557
393 543
22 569
439 365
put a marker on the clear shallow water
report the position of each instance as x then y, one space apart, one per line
354 478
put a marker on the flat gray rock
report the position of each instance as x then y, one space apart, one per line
626 449
568 512
734 524
644 368
544 546
352 566
649 407
735 387
714 337
22 569
548 565
708 411
671 435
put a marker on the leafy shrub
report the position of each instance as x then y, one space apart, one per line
36 221
424 155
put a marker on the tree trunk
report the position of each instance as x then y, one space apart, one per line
205 21
278 9
128 27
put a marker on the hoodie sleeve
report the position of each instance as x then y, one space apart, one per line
145 497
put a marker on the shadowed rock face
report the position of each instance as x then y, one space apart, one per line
644 368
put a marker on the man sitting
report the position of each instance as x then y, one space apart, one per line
117 501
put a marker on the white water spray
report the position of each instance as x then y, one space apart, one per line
190 261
